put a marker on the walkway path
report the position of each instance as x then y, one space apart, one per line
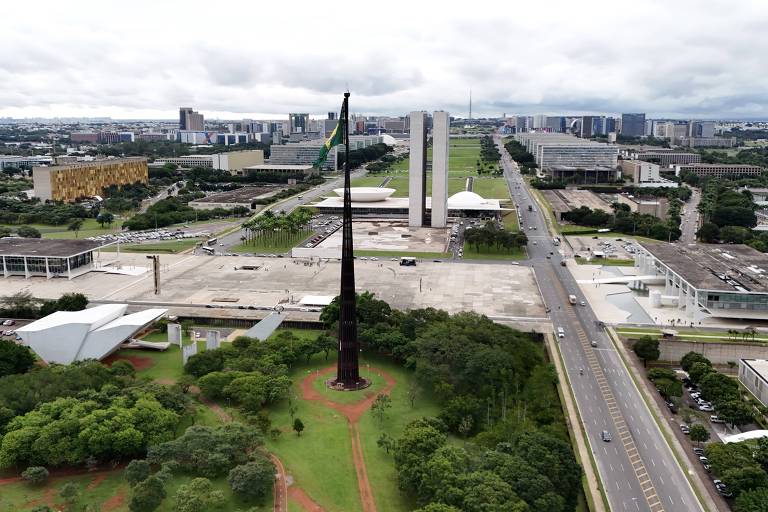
353 412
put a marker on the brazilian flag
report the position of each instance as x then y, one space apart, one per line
336 138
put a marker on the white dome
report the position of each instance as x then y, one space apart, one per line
366 194
465 199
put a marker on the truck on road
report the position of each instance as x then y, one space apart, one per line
572 299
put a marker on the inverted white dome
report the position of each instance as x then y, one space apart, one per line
465 199
366 194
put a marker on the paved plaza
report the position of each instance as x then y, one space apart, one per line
391 236
491 289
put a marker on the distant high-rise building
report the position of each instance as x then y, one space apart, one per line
609 126
633 125
539 121
331 115
299 123
190 120
701 129
555 124
587 127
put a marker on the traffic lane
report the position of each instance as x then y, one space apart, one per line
667 488
614 466
664 471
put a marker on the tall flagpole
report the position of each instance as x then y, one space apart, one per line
347 372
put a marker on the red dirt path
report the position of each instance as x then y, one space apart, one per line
353 412
138 362
298 496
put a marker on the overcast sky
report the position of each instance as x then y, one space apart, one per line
233 59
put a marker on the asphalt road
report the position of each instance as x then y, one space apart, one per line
637 467
690 218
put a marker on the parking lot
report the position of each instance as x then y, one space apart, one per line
152 235
610 247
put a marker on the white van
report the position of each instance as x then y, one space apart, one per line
560 332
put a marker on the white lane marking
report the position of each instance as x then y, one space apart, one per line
670 500
622 467
662 479
617 486
652 462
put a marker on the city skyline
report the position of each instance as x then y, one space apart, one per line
686 60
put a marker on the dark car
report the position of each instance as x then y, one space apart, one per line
605 436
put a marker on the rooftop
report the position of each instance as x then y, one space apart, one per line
728 268
13 246
239 195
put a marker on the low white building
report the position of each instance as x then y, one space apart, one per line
753 373
68 336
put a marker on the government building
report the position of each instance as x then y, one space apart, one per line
87 179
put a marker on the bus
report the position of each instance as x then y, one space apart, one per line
407 262
211 241
209 250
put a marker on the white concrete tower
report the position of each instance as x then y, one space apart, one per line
441 123
417 170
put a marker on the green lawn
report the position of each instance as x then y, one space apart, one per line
509 219
609 262
283 244
703 336
399 254
326 438
169 247
491 188
90 228
369 181
489 253
20 496
400 184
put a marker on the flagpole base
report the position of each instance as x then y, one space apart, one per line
338 385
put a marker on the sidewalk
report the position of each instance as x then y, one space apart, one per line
693 471
575 425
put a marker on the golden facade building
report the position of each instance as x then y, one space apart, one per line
86 179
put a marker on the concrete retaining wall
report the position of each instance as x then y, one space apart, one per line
718 353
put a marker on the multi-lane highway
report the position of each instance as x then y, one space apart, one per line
637 467
690 218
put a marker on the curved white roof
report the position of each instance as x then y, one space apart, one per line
465 199
94 333
752 434
366 194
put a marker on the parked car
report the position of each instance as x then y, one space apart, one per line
685 429
698 451
706 408
716 419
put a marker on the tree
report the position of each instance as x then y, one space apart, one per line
70 493
28 232
699 433
75 226
438 507
204 363
380 406
698 370
647 349
385 442
137 471
4 231
105 218
752 501
692 357
14 358
72 302
719 388
147 495
746 478
253 482
708 232
35 475
298 426
198 496
735 412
